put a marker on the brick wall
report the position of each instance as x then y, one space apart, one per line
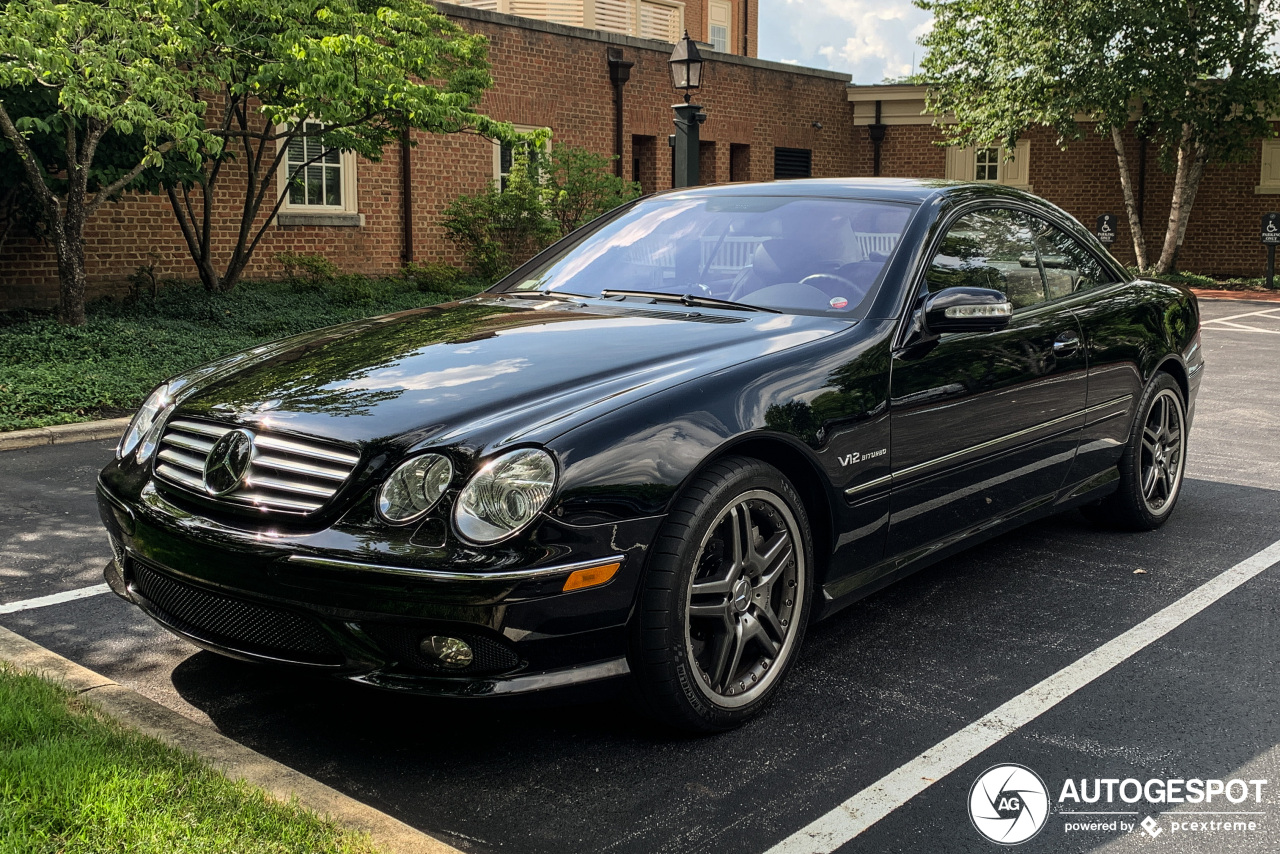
546 75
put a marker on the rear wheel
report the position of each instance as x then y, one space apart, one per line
725 598
1152 464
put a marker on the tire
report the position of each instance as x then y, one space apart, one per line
1152 464
713 635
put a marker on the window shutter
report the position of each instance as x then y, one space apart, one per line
614 15
1015 170
959 164
661 22
1270 167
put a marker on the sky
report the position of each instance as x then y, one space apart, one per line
870 40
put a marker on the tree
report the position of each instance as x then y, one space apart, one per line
347 74
578 185
111 71
1200 79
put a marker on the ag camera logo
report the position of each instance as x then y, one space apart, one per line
1008 804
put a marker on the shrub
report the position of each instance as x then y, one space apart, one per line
544 200
307 271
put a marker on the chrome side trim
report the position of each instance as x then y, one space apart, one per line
992 443
871 484
530 574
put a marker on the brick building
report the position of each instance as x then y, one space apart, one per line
765 119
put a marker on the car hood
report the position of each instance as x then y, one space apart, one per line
504 367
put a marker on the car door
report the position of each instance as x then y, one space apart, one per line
983 424
1114 324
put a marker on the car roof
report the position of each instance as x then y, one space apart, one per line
908 190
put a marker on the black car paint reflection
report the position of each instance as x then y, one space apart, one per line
903 448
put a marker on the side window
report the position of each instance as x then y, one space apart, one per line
990 249
1068 266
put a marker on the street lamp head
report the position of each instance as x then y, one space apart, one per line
686 66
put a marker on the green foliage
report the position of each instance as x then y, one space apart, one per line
544 200
93 93
1004 67
73 781
579 185
1201 79
306 271
499 229
53 374
361 73
434 277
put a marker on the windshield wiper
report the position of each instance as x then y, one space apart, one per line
688 299
564 296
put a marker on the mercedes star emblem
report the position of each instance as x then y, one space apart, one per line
228 462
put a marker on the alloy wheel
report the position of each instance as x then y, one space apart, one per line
1163 441
744 598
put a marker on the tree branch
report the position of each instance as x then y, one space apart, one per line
120 183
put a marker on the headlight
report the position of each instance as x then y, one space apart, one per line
505 496
143 429
414 488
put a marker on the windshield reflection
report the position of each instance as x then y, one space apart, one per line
799 255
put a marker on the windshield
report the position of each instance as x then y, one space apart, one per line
800 255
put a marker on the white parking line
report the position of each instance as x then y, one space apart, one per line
1263 311
1240 327
54 599
891 791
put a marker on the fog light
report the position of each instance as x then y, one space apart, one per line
453 653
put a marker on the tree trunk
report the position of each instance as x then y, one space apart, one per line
69 245
1130 201
1185 183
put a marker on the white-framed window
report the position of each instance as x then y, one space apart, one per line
991 164
1270 183
504 156
987 165
316 180
720 25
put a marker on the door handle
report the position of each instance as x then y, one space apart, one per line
1066 344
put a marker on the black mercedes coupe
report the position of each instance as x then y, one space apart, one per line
661 448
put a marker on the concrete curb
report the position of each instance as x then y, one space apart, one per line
231 758
62 434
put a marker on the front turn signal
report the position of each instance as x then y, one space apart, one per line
592 576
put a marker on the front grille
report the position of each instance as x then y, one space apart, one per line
286 474
232 622
400 643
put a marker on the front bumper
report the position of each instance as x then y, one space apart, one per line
360 614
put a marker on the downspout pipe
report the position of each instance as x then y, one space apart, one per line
877 132
406 197
619 74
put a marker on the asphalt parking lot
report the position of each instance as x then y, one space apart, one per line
875 687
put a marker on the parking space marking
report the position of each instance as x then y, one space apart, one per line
1266 312
896 788
54 599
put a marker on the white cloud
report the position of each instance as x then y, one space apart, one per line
868 39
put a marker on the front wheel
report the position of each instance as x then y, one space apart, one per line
1153 462
725 598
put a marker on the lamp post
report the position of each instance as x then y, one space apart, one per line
686 75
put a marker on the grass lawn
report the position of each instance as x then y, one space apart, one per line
51 374
75 782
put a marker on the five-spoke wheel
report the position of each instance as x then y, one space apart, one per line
1151 466
742 603
725 597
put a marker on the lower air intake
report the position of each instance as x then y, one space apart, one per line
239 625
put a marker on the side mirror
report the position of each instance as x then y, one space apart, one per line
966 310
